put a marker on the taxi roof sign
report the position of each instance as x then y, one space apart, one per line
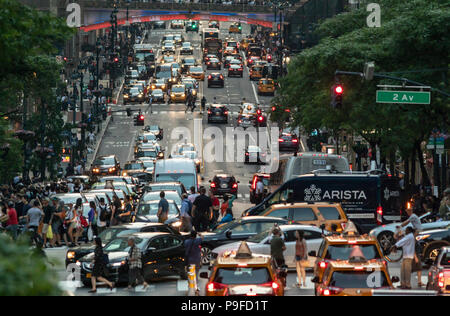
244 251
350 229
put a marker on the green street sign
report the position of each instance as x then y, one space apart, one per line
407 97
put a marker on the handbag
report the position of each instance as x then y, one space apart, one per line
49 232
83 222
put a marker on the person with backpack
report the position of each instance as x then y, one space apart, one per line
99 270
185 214
102 222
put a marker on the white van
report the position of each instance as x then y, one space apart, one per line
176 169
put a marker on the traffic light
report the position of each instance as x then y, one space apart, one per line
139 120
336 96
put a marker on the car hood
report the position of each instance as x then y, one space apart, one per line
81 249
112 256
232 246
152 218
103 166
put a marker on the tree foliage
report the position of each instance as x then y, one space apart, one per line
24 273
28 41
414 35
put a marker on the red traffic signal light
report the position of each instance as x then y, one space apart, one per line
116 60
338 89
141 117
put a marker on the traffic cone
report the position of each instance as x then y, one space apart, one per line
192 282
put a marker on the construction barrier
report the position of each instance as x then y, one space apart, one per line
192 281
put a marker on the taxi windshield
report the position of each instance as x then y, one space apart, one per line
151 209
344 252
177 89
196 69
133 166
357 280
246 275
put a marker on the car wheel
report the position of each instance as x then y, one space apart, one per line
206 255
432 251
386 241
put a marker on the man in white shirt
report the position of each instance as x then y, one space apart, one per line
408 244
259 191
413 219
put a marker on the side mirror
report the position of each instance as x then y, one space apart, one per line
228 234
204 275
395 279
315 280
312 253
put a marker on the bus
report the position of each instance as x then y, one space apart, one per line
210 33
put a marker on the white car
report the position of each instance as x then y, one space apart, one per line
170 195
260 243
385 233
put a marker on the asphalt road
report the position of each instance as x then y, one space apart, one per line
119 140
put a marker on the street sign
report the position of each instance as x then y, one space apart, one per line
406 97
440 143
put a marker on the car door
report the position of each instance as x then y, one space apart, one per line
314 240
281 213
154 262
289 241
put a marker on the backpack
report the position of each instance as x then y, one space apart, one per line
103 214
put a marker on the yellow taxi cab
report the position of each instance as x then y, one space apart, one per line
235 28
196 72
439 272
331 215
343 247
256 72
178 93
243 273
245 42
354 277
266 86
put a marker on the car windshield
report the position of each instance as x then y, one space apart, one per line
189 61
147 153
190 154
151 209
187 179
259 237
121 244
445 261
196 69
170 195
258 275
104 161
148 164
177 89
357 280
132 166
109 234
346 251
169 187
225 227
157 92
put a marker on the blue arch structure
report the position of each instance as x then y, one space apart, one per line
95 19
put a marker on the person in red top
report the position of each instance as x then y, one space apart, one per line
12 223
215 206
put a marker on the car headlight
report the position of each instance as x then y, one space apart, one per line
112 169
422 237
70 255
125 96
172 95
118 264
194 92
124 174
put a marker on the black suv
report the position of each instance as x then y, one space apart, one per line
218 113
105 165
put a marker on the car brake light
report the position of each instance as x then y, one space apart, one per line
246 154
213 185
379 215
358 268
275 285
209 112
441 280
209 77
260 118
326 292
331 290
295 140
213 286
280 140
225 113
235 186
323 264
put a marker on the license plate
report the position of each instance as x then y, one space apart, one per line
88 275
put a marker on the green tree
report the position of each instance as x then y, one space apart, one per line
28 39
413 41
24 273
